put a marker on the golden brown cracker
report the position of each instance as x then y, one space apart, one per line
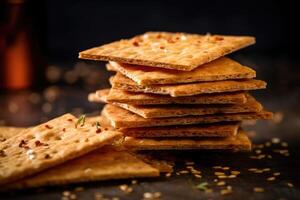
48 145
220 69
121 82
179 51
240 142
121 96
158 111
102 164
121 118
225 129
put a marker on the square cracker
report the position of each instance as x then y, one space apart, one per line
221 129
121 118
121 96
158 111
225 129
180 51
102 164
240 142
47 145
220 69
121 82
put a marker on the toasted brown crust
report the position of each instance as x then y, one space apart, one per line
178 51
121 82
121 118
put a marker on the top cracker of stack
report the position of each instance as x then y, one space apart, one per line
159 68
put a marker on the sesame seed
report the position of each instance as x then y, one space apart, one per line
225 192
275 140
258 189
221 183
271 178
290 184
222 177
276 173
226 168
66 193
232 176
219 173
235 172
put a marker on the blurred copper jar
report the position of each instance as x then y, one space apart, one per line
22 35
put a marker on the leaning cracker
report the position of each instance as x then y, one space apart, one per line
47 145
102 164
180 51
121 96
220 69
121 118
158 111
121 82
240 142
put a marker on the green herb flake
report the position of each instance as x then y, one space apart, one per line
80 121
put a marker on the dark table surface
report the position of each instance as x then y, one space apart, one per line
26 108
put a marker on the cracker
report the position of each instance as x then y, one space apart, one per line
220 69
121 82
221 129
158 111
225 129
240 142
121 96
9 131
121 118
47 145
102 164
178 51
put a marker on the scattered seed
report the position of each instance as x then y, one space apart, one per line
290 184
221 183
219 173
275 140
217 167
168 174
190 163
252 169
225 192
198 176
276 173
125 188
284 144
222 177
258 189
73 196
66 193
232 176
184 172
266 169
235 172
226 168
134 182
271 178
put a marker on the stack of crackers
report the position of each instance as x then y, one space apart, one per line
178 91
